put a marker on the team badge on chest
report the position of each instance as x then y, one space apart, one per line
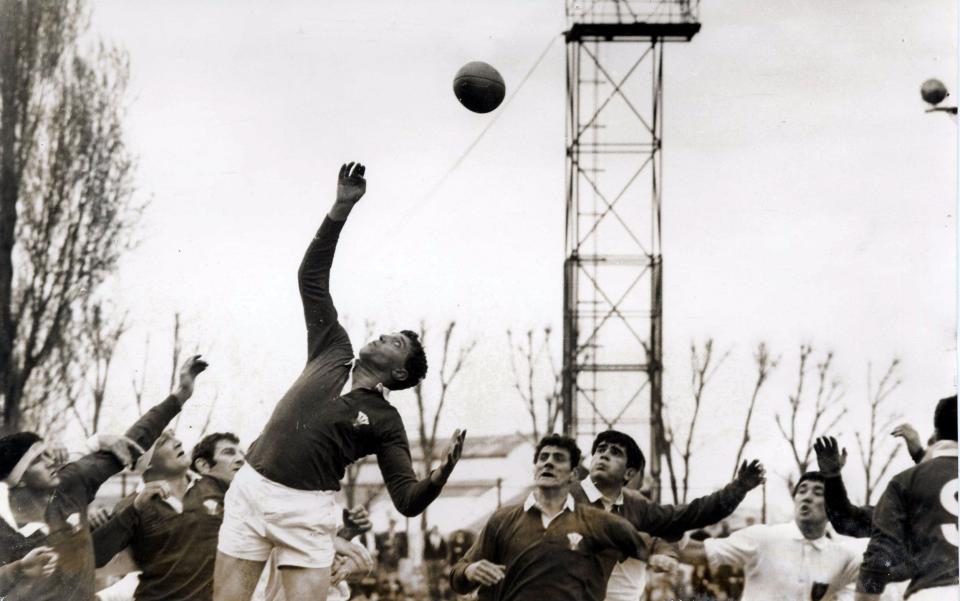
361 420
574 539
212 507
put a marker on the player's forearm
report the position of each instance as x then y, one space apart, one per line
693 553
846 518
671 523
458 578
114 536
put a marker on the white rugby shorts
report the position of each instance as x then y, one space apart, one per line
260 515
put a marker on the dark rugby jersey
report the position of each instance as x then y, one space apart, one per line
916 521
570 560
314 432
670 522
175 551
66 517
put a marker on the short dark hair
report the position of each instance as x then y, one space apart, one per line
416 364
12 449
813 476
635 458
207 447
564 442
945 418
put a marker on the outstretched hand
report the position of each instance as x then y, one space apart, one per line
830 458
751 475
910 436
193 367
450 457
351 186
126 450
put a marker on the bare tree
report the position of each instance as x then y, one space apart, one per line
138 386
702 369
97 337
872 447
826 413
66 211
531 357
428 414
765 365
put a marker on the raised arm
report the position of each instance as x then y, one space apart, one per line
319 311
846 518
617 533
85 475
409 495
887 556
672 521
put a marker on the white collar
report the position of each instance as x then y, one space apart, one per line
593 493
531 502
818 543
941 448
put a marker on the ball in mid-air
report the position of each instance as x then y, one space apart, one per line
479 87
933 91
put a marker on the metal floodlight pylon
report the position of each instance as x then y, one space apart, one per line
613 303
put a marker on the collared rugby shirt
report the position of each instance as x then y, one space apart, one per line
569 560
174 544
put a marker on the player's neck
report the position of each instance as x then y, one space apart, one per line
608 490
812 531
551 499
178 483
365 377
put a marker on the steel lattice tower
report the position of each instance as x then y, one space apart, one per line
613 309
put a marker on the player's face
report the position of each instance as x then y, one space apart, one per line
808 505
169 456
227 460
41 474
389 352
553 468
609 463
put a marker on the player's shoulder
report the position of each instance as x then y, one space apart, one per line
635 497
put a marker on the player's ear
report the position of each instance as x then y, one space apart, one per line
399 374
201 466
629 474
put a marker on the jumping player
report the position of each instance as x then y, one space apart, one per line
916 522
283 497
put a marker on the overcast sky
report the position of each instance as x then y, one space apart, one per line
807 196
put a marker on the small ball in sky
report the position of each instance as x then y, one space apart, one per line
933 91
479 87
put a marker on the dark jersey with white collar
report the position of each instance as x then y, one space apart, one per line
314 432
916 522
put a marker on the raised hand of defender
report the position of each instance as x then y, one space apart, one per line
910 436
126 450
351 186
751 475
450 457
41 561
484 573
192 367
151 490
829 457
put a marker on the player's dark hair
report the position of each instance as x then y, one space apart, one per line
635 458
207 447
814 476
416 364
12 448
945 418
564 442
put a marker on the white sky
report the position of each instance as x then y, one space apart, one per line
807 197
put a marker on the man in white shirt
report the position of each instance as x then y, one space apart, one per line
795 561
